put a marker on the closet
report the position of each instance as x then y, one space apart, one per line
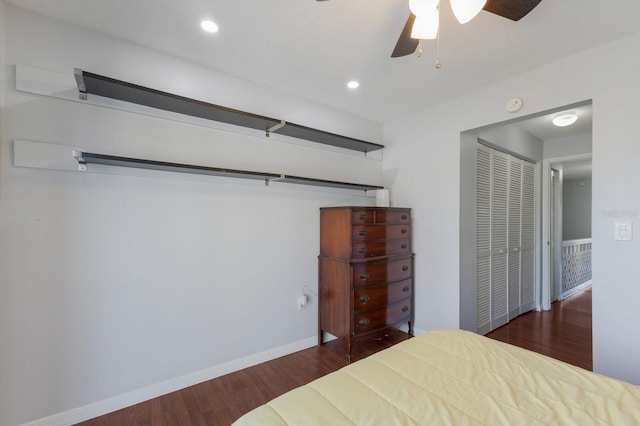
505 237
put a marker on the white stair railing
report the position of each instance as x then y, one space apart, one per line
576 266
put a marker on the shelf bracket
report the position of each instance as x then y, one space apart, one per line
82 163
82 88
275 127
268 180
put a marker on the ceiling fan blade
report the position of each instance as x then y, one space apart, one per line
406 45
511 9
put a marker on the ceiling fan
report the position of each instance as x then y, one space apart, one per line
423 20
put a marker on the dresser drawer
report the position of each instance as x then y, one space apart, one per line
380 318
381 248
381 295
393 217
372 273
380 216
379 232
360 217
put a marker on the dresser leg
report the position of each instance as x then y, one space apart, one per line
410 329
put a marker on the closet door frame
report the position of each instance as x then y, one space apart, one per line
468 261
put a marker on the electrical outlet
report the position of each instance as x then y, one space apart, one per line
302 302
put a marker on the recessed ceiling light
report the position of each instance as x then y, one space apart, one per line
564 119
353 84
209 26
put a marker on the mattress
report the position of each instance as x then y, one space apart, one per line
454 377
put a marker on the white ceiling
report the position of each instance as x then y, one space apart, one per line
543 128
311 49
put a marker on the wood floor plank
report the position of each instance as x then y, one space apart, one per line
563 333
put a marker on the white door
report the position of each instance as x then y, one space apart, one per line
483 238
515 225
505 237
528 239
499 239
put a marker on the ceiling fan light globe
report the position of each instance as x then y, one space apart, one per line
466 10
426 27
423 7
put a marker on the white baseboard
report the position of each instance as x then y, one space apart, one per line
118 402
418 331
574 290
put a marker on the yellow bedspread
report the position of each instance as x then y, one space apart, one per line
454 377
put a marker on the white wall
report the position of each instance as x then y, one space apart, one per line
570 145
576 209
512 139
3 23
422 166
116 283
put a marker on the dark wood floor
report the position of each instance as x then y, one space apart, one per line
563 333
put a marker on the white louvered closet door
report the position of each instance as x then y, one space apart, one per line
528 239
505 237
499 239
515 221
483 237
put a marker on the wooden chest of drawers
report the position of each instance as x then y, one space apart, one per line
365 271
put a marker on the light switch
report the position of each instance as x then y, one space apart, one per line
624 231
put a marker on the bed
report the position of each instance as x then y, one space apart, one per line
454 377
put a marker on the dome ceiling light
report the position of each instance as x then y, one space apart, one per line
209 26
565 119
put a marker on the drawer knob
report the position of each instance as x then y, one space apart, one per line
404 230
405 288
405 268
364 275
405 308
362 232
363 250
365 298
362 217
404 246
404 217
364 321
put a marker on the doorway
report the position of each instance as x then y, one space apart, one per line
532 139
567 227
